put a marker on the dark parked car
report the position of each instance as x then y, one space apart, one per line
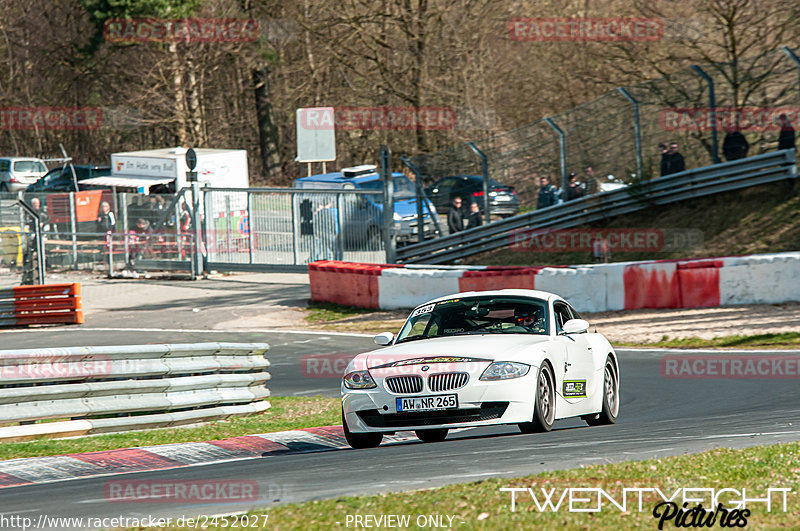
60 179
503 200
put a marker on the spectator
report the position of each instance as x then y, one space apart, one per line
676 162
786 139
474 219
590 181
44 219
186 218
547 194
574 190
735 145
455 219
139 241
665 159
105 220
326 223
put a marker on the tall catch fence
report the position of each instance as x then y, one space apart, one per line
618 133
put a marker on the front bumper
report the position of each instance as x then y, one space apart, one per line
480 403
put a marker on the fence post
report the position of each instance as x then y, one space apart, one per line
485 172
250 224
712 108
422 198
74 228
196 225
125 242
562 141
637 131
793 56
388 204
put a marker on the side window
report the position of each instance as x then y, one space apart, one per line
575 315
4 165
562 315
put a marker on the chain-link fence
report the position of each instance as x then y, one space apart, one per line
618 134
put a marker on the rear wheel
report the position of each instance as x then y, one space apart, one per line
435 435
360 440
544 411
610 410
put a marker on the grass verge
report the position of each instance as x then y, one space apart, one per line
481 505
322 312
285 413
783 340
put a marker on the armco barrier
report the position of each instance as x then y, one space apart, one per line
90 390
696 283
45 304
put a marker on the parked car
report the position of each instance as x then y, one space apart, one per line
60 179
481 358
503 200
16 173
362 216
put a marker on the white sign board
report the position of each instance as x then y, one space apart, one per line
142 166
316 135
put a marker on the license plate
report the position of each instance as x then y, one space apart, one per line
503 198
427 403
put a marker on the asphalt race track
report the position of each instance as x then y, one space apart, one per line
659 417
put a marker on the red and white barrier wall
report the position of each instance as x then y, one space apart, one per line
702 283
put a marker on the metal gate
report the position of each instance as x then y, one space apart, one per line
285 229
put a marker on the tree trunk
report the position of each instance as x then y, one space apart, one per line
267 133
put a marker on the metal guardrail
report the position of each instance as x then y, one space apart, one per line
697 182
89 390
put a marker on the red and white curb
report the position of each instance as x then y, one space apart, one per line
34 470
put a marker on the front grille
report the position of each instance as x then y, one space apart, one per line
487 411
447 381
404 385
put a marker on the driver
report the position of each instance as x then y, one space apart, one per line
526 317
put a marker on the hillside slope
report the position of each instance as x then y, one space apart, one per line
761 219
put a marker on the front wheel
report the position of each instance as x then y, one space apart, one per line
544 411
360 440
433 435
610 410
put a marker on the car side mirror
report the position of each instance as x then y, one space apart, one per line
384 338
576 326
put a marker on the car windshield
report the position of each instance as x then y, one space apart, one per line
476 315
403 187
29 166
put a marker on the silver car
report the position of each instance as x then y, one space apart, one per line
16 173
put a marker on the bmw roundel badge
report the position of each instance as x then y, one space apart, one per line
425 368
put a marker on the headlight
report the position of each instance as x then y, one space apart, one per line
359 380
505 370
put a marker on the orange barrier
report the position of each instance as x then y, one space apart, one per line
44 304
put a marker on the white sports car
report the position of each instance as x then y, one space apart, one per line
481 358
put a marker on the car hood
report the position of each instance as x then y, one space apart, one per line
481 349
